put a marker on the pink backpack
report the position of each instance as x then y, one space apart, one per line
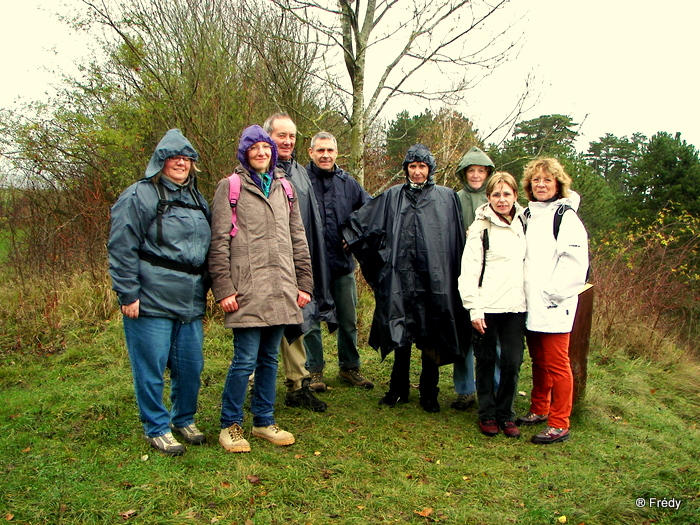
234 192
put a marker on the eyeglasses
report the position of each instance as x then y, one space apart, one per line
262 146
178 158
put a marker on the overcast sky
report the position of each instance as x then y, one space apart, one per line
615 66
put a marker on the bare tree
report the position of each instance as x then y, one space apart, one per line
431 49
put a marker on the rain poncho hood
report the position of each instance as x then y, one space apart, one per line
172 144
250 136
420 153
473 157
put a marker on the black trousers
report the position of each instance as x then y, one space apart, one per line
400 383
509 328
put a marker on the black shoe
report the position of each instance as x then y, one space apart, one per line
430 404
304 397
392 399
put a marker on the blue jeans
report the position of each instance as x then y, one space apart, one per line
344 292
254 349
463 372
155 343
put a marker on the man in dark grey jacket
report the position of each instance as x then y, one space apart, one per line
338 195
283 131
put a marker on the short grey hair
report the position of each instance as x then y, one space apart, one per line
268 125
323 135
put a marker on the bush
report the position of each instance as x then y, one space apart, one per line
648 286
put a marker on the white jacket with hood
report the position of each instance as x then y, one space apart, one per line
555 269
502 288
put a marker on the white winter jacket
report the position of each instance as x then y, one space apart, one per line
502 289
555 269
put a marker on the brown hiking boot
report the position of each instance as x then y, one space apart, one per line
317 382
355 378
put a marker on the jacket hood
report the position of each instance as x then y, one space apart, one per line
420 153
573 200
473 157
485 211
250 136
172 144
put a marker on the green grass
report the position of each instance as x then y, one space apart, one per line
72 450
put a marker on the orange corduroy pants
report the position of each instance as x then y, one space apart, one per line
552 380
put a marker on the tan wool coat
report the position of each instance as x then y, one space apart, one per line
267 262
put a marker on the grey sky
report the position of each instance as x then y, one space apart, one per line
616 66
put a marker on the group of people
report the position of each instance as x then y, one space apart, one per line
464 276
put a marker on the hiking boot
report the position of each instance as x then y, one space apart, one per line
232 439
551 435
190 433
304 397
392 399
317 383
355 378
463 401
531 419
167 444
274 434
510 429
488 428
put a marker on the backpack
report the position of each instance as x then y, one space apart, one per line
234 192
485 246
558 216
164 203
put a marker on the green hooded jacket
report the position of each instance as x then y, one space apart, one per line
469 198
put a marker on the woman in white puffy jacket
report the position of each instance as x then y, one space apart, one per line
491 287
555 272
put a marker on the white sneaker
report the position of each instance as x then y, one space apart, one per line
232 439
190 433
274 434
167 444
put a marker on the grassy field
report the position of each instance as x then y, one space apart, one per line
72 451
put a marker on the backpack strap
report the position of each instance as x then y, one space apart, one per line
558 216
164 204
485 248
234 192
160 210
290 193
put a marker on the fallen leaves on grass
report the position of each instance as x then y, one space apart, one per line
9 517
253 479
425 512
128 514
